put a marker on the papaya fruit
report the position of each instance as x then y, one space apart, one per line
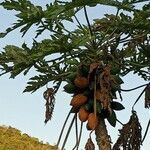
81 82
87 127
83 114
92 121
78 100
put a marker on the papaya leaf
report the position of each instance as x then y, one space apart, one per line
37 82
78 3
112 119
117 106
28 15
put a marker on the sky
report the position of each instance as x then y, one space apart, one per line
26 111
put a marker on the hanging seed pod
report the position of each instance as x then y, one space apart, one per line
78 100
83 114
50 103
92 121
89 145
81 82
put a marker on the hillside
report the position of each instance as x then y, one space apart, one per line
13 139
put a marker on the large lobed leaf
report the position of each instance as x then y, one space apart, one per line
29 15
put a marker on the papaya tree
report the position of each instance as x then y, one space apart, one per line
91 59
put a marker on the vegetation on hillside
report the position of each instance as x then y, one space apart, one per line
13 139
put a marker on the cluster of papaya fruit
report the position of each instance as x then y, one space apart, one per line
94 87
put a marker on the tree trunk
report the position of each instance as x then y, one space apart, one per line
102 137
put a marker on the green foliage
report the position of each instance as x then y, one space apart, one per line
29 15
112 119
70 88
121 5
126 49
117 106
13 139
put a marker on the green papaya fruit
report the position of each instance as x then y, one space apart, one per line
70 88
84 70
72 76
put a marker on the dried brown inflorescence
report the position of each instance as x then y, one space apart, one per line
89 145
105 88
130 135
50 102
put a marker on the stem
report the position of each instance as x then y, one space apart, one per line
133 88
117 12
148 125
62 130
88 22
63 28
68 132
95 95
76 130
80 134
139 97
102 137
46 27
78 21
120 122
76 127
132 39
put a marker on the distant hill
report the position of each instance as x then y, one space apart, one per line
13 139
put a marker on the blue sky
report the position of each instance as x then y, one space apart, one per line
25 111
